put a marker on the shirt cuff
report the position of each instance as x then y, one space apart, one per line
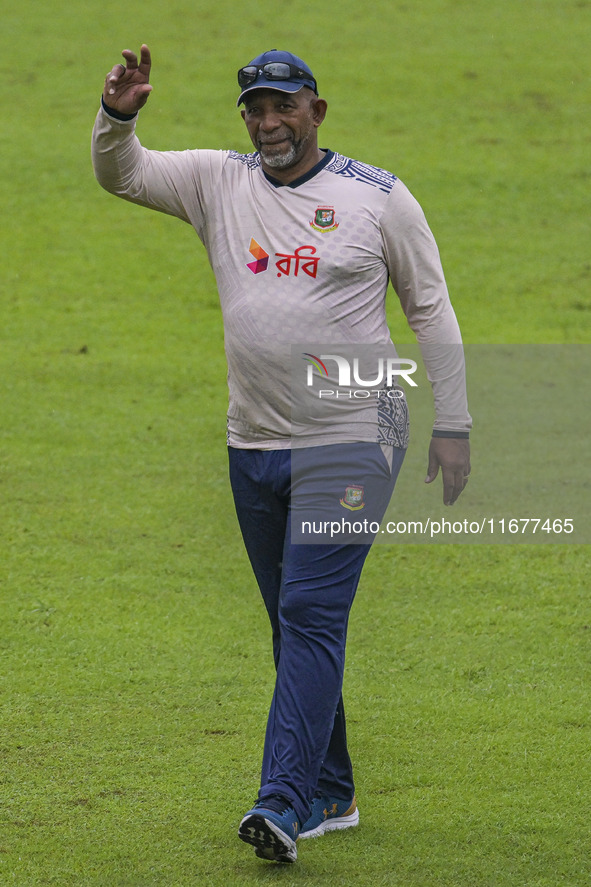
117 115
463 435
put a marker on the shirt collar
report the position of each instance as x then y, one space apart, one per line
307 175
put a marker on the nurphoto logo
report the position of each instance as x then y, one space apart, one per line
385 374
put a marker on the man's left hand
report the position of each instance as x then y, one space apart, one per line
452 455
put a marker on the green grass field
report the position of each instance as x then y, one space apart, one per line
135 664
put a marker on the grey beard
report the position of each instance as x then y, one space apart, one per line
280 161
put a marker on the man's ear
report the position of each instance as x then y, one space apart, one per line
243 114
319 107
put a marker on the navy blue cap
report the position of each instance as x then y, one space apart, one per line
293 84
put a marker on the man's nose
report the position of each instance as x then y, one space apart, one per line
270 121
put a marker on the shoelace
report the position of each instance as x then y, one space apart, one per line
275 803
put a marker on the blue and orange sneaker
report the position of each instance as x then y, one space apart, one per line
272 828
329 814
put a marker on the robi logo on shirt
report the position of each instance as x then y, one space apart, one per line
261 258
303 259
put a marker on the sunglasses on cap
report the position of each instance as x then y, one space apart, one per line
273 71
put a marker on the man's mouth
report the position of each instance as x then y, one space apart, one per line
272 142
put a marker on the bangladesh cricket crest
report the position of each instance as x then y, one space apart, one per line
324 219
353 498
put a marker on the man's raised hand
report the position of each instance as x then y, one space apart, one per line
127 88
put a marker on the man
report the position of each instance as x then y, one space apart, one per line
303 242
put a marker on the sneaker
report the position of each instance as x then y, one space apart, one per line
272 827
329 814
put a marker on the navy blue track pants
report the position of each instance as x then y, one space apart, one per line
308 590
